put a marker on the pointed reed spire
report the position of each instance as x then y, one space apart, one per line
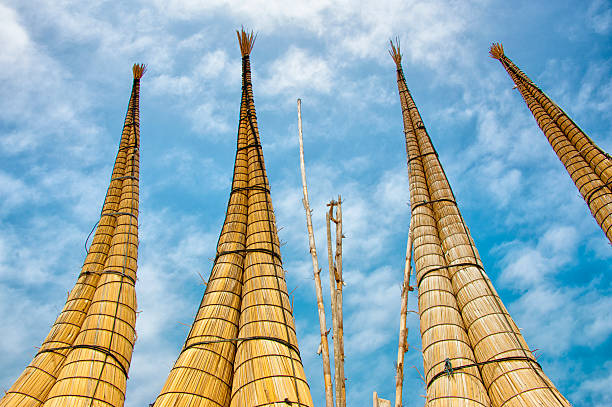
246 40
396 53
268 369
497 50
236 354
588 165
96 367
32 388
451 277
444 336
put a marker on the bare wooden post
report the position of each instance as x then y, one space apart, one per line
339 286
403 331
336 283
332 289
378 402
329 397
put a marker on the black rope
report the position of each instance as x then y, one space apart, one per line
125 177
248 338
590 195
241 251
249 146
101 349
445 267
119 273
120 213
449 370
89 235
107 214
433 201
253 187
421 155
135 147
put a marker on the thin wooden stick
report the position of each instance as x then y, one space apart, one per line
332 289
329 396
341 395
403 331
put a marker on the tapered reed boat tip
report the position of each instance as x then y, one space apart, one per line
246 40
139 70
497 50
395 51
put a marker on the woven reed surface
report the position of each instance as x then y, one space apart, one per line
202 374
492 332
32 388
266 372
95 370
442 330
246 297
587 165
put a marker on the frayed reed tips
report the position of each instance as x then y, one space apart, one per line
139 70
497 50
246 41
395 51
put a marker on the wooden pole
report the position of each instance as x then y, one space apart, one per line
378 402
339 286
332 289
403 332
329 396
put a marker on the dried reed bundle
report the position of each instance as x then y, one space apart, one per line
246 41
97 364
34 384
497 50
588 165
203 373
507 367
444 336
267 368
138 70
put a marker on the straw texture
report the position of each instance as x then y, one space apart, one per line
589 167
443 333
242 349
267 371
33 386
507 367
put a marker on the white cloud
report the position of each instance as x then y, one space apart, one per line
599 16
548 310
596 391
298 72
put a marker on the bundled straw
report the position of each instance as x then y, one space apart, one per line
395 52
267 371
246 41
450 275
443 333
497 50
242 348
139 70
49 371
588 165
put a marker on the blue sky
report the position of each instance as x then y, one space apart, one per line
65 75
